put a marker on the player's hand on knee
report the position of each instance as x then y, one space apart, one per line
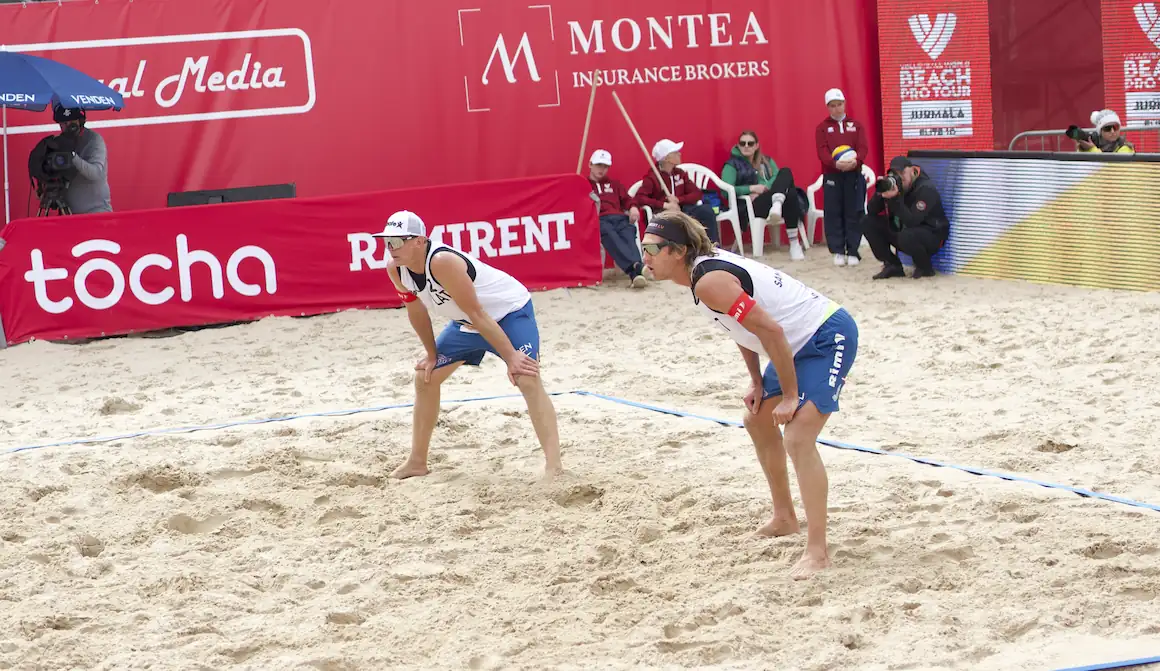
522 364
785 410
753 399
427 365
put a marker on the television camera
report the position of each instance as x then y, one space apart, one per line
50 167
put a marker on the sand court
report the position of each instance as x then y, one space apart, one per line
284 545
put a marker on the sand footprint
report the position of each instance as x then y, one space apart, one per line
578 495
161 479
187 525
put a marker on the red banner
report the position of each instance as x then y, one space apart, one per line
77 277
359 95
1131 36
935 68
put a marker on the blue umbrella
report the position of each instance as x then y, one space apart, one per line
33 83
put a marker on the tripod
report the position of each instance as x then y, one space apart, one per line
52 198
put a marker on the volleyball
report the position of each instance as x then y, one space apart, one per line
844 154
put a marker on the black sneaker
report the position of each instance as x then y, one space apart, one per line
919 273
889 271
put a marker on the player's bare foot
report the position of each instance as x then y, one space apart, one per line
551 473
410 470
778 527
809 564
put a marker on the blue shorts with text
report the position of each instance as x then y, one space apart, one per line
454 345
822 365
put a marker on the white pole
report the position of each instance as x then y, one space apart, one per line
7 212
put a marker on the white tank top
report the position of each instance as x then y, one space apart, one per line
499 293
798 309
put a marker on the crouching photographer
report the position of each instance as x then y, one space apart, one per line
71 169
905 214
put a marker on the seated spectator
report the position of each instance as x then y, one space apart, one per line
686 196
618 217
755 174
908 217
1110 140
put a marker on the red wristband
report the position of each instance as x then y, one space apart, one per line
742 306
408 297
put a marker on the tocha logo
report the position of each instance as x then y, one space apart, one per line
933 38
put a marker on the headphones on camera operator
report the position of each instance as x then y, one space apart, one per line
50 164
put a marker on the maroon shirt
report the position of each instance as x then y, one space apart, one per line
679 184
614 198
833 134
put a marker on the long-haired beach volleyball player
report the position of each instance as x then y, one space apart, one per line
490 311
810 342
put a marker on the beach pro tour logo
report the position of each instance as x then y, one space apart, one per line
933 37
1149 19
187 78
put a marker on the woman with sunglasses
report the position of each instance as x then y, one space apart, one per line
490 311
755 174
1109 141
810 342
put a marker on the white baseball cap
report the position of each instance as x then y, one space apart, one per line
402 224
601 157
834 94
665 147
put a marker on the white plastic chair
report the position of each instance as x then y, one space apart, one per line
815 213
757 228
701 176
646 212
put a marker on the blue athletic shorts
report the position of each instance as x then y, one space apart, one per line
453 344
822 365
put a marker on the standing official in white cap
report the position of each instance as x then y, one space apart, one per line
842 147
618 218
490 311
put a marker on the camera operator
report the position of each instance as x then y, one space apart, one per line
905 213
1109 139
88 190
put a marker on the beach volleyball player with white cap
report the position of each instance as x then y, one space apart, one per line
489 311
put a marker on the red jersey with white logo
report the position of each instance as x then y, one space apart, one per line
798 309
833 134
652 194
614 199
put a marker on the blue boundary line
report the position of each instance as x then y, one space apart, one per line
249 422
635 404
643 406
870 450
1114 665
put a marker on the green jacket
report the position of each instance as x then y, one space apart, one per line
729 172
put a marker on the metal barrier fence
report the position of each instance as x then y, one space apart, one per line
1059 137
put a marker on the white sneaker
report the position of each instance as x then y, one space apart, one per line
795 250
839 259
852 260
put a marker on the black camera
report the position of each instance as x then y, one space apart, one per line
51 159
1080 135
888 182
50 165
